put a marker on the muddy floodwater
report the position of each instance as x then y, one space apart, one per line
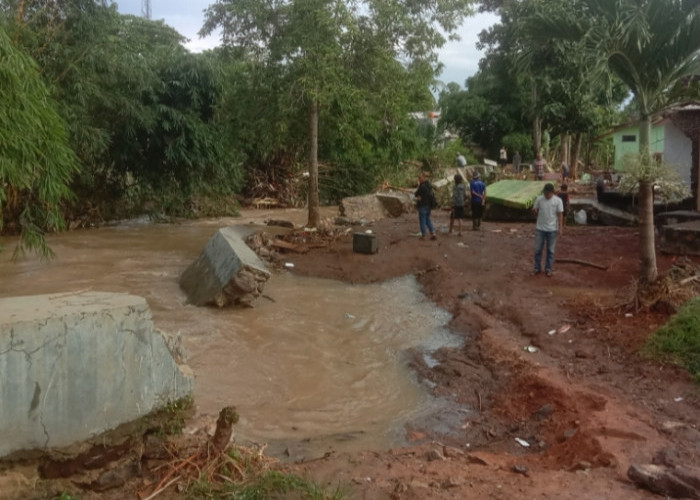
319 364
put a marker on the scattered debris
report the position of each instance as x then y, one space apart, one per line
280 223
522 442
520 469
676 482
530 348
582 262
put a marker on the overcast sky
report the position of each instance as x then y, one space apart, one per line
461 59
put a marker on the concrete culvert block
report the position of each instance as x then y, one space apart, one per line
227 272
73 366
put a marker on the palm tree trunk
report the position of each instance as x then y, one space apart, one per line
536 121
564 148
314 213
647 251
575 153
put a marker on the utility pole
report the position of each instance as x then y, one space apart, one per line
146 9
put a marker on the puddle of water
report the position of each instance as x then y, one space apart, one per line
323 363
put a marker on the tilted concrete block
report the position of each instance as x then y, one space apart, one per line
75 365
227 272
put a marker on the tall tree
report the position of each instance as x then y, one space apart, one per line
650 45
304 44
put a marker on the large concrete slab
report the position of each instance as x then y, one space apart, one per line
75 365
227 272
599 213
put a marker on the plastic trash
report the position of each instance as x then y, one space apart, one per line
522 442
580 217
349 316
564 328
551 332
530 348
288 264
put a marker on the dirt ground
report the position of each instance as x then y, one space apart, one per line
582 402
587 404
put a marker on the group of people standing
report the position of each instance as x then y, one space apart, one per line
426 201
548 207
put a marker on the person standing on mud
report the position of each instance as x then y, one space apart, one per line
478 194
549 210
503 157
426 200
461 160
540 166
459 198
516 162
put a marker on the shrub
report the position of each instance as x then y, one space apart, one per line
678 341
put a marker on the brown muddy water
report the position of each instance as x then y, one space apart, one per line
322 367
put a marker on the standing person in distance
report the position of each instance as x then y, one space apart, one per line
516 162
426 199
549 210
503 157
540 166
459 198
478 193
461 161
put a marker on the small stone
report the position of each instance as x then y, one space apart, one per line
667 456
475 459
569 433
520 469
582 465
435 454
544 411
451 452
449 483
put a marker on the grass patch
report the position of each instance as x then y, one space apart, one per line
678 341
268 485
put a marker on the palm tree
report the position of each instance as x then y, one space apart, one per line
651 45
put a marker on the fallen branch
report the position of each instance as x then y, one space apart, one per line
583 263
685 281
285 245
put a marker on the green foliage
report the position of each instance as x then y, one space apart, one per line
518 141
142 111
66 496
678 341
643 167
170 420
269 484
36 163
366 64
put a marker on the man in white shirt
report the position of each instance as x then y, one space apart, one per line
550 218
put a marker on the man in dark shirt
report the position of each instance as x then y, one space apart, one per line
425 197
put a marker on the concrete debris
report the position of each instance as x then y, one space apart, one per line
676 482
74 366
227 271
362 210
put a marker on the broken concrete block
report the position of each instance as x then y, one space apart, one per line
73 366
396 203
681 239
227 272
679 482
362 208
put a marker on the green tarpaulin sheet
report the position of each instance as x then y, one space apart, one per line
515 193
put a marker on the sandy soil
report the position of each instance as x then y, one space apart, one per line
586 402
